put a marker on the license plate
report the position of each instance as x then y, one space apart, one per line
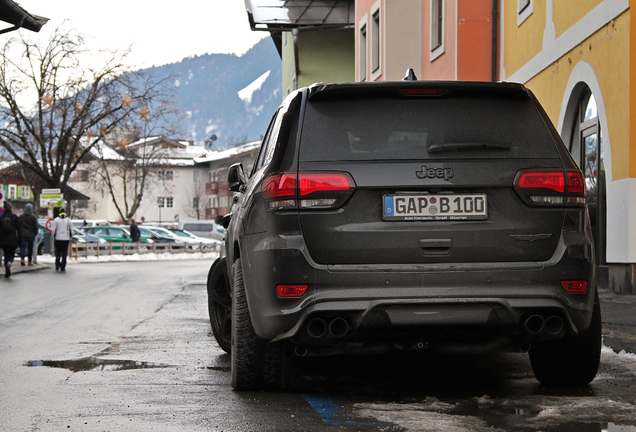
435 207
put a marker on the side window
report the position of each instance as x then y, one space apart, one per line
261 160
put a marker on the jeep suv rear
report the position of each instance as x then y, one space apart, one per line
412 215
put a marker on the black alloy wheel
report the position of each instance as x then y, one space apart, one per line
220 304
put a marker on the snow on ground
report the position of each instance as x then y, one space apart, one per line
211 256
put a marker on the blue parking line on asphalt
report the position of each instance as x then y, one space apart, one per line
330 412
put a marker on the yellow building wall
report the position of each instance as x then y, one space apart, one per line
566 13
326 56
523 42
608 52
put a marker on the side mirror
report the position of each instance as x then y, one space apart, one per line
236 177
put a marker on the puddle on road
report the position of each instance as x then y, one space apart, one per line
97 364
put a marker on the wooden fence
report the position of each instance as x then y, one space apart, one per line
87 249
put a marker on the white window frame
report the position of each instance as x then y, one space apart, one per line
440 48
363 49
524 10
25 193
374 33
13 192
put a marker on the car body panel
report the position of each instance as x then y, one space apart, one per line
403 282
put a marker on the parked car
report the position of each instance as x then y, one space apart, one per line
80 236
113 234
164 232
184 234
147 234
446 216
208 229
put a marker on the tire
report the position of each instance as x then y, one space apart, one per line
570 361
256 365
220 304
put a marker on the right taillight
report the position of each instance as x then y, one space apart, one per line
307 190
551 187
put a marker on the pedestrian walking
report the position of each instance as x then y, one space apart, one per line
135 235
61 232
10 236
29 229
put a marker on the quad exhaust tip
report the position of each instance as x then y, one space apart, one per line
536 325
336 328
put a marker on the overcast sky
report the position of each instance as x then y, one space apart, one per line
159 31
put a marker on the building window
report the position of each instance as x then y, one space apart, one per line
195 176
195 202
25 192
165 175
362 47
81 175
524 10
437 28
375 43
12 192
164 202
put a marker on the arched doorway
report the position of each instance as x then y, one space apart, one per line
586 146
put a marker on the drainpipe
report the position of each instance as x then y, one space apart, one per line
296 60
495 20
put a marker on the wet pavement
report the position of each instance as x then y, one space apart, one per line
111 348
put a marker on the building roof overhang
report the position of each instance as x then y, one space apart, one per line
13 13
286 15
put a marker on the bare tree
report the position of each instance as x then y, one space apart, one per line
233 141
55 107
194 201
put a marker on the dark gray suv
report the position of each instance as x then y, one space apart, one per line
446 216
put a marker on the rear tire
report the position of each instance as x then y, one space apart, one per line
220 304
256 365
570 361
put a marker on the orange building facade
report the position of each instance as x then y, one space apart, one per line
440 40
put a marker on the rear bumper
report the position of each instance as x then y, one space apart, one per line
431 304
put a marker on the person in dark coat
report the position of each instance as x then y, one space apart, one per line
134 231
29 229
10 236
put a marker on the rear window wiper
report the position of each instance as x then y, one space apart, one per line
436 148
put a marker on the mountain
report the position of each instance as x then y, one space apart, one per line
230 96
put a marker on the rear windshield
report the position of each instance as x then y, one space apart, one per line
381 128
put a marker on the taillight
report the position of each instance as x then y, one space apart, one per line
307 189
574 286
291 290
551 187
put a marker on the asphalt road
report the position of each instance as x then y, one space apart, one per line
127 347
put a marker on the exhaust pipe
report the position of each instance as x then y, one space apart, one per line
339 327
535 324
317 328
554 325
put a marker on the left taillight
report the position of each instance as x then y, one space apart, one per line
307 190
551 187
284 291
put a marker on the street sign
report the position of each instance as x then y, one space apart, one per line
51 198
48 224
51 191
